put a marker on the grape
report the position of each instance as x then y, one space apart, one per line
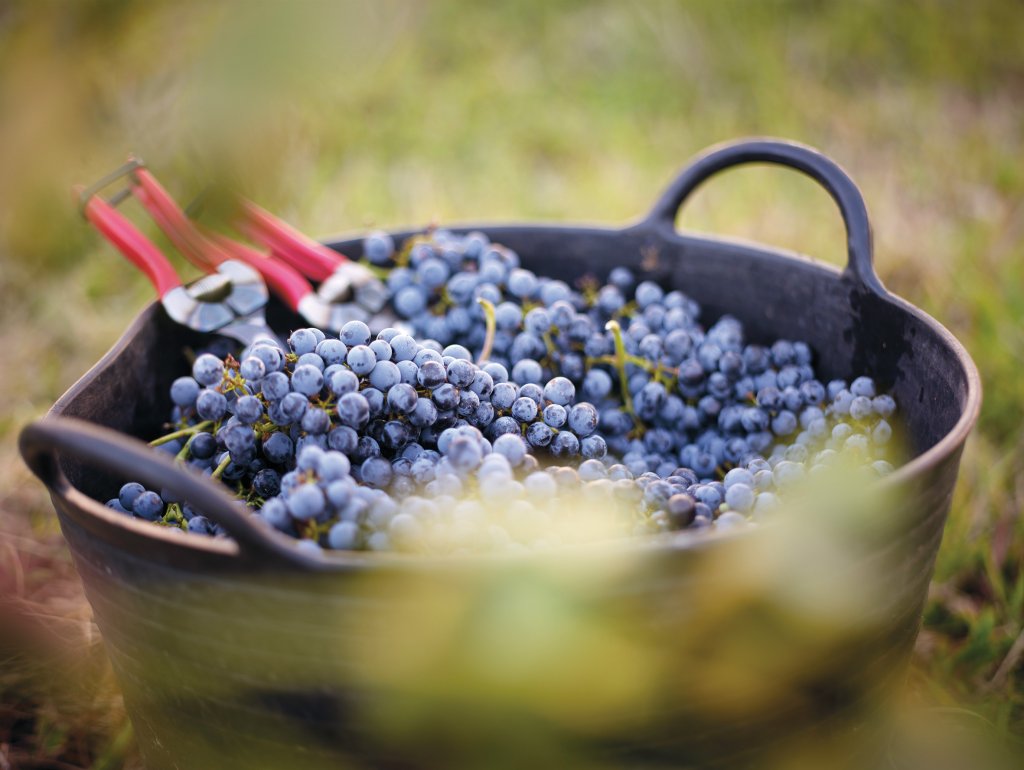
729 520
403 347
784 423
431 374
842 402
343 536
200 525
511 447
275 386
315 421
211 405
293 406
532 391
445 396
147 505
353 410
524 409
355 333
310 359
331 351
594 447
360 359
648 293
252 369
376 471
539 434
306 502
378 247
208 370
527 371
184 391
461 373
560 391
270 356
740 497
239 440
583 419
861 408
343 439
343 381
381 350
597 384
680 511
863 387
565 444
555 415
267 483
385 375
464 453
275 513
302 341
841 431
884 405
278 448
248 409
202 446
410 301
738 476
522 283
128 494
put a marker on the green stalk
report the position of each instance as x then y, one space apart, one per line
219 470
380 272
620 364
492 324
190 431
183 454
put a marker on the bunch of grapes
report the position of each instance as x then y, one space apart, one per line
609 393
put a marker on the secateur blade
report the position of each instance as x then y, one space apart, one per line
234 295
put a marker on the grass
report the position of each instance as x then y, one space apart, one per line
347 115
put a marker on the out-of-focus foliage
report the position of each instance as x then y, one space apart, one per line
341 115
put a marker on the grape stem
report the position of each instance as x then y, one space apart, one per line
174 516
219 470
491 322
183 454
189 431
620 363
380 272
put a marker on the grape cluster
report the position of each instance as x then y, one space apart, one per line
610 393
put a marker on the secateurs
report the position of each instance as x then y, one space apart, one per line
230 300
348 291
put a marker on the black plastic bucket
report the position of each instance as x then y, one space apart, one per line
249 653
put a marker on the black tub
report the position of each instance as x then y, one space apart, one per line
248 653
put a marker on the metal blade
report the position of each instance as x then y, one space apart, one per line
210 316
249 292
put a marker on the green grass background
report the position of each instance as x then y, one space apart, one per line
346 115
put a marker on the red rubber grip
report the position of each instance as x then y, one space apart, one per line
309 257
285 281
130 241
176 225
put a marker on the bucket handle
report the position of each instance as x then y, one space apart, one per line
799 157
42 441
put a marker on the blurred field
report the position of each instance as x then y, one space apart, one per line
346 115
